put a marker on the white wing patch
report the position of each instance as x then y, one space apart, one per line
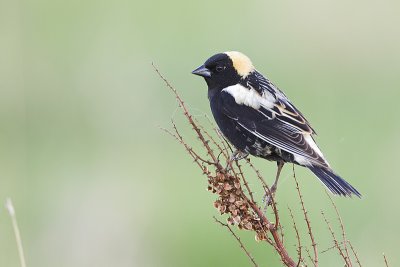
312 144
298 157
303 160
250 97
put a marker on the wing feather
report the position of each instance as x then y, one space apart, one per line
281 134
282 107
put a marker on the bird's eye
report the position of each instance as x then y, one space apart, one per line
219 68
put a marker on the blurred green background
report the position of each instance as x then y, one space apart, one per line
96 183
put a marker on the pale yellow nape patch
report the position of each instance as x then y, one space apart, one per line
241 63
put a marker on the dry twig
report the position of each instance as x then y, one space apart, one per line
11 211
344 241
243 211
238 239
386 262
235 197
297 237
354 253
335 241
310 232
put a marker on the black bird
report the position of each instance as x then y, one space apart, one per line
258 119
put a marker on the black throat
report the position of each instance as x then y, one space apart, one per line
213 92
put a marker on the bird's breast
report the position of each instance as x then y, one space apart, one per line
233 131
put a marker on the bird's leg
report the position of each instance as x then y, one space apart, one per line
269 195
278 173
235 156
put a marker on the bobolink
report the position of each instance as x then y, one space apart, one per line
258 119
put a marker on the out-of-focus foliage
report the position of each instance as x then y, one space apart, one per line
96 183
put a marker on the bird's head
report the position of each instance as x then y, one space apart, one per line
225 69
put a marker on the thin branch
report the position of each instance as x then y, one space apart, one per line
342 229
328 249
11 211
223 151
386 262
309 255
335 241
310 233
246 184
187 147
266 190
297 236
224 142
239 241
355 253
190 119
232 200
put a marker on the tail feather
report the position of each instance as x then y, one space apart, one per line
335 183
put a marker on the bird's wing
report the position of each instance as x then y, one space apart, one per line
282 108
256 114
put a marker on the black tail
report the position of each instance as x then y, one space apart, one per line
335 183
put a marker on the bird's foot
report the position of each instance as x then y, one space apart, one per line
268 197
235 156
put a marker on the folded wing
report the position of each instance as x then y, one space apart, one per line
282 108
256 113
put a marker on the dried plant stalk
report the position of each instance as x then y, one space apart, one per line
232 200
297 236
354 253
310 232
235 197
239 241
386 262
11 211
344 241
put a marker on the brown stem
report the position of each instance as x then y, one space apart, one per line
347 259
355 253
310 232
239 241
336 243
190 119
287 260
223 183
297 237
386 262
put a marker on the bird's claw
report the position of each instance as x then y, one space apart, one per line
269 197
236 156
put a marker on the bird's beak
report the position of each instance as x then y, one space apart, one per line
202 71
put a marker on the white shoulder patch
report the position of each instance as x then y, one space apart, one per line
250 97
241 63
